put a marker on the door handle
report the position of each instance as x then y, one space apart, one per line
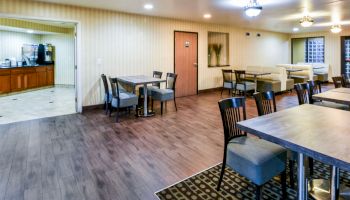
195 64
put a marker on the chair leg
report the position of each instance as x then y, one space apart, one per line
284 184
116 116
258 192
161 108
311 166
175 104
222 169
291 173
110 110
152 102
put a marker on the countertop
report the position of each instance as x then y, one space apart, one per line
24 66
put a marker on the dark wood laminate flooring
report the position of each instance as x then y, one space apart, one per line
78 157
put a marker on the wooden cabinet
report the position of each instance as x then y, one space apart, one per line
50 75
21 78
42 76
5 81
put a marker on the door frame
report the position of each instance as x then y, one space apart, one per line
176 31
342 50
77 49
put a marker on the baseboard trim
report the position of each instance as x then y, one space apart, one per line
92 107
209 90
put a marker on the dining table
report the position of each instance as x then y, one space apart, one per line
297 130
337 95
289 71
141 80
255 77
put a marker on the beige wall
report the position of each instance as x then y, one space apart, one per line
64 57
123 44
298 46
12 42
332 48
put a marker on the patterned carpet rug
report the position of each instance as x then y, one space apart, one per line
203 186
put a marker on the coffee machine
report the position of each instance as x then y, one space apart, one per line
45 54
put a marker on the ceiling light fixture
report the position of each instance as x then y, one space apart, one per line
253 8
207 16
336 29
306 21
295 29
148 6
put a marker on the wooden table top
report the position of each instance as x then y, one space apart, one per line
257 73
319 132
140 79
336 96
342 90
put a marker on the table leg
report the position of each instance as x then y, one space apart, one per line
302 193
145 106
335 183
256 83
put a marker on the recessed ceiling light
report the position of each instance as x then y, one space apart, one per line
148 6
30 31
207 16
295 29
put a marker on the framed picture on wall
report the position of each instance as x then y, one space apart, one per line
218 49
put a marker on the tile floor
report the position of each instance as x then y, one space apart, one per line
37 104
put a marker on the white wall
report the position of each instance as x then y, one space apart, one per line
332 48
11 43
130 44
64 57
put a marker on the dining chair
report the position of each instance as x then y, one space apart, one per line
338 81
266 104
256 159
228 82
166 94
156 74
303 93
346 78
241 84
108 95
315 88
121 98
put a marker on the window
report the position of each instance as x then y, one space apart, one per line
314 50
308 50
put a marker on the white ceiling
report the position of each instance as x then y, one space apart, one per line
277 15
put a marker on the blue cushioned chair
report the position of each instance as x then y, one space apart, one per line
257 160
166 94
228 82
121 98
156 74
241 84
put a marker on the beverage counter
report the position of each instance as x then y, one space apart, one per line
14 79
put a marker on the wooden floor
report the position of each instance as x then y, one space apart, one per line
90 157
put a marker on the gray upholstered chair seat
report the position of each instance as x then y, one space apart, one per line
149 89
162 94
248 86
256 159
126 100
229 85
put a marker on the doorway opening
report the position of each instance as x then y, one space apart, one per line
186 63
38 69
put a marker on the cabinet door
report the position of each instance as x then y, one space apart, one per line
17 82
5 84
42 80
30 80
50 76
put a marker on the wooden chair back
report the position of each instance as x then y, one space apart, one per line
265 102
303 93
239 75
338 81
232 111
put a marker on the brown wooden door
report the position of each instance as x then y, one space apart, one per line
30 80
17 82
50 76
186 66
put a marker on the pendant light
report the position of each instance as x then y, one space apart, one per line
253 8
336 29
306 21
